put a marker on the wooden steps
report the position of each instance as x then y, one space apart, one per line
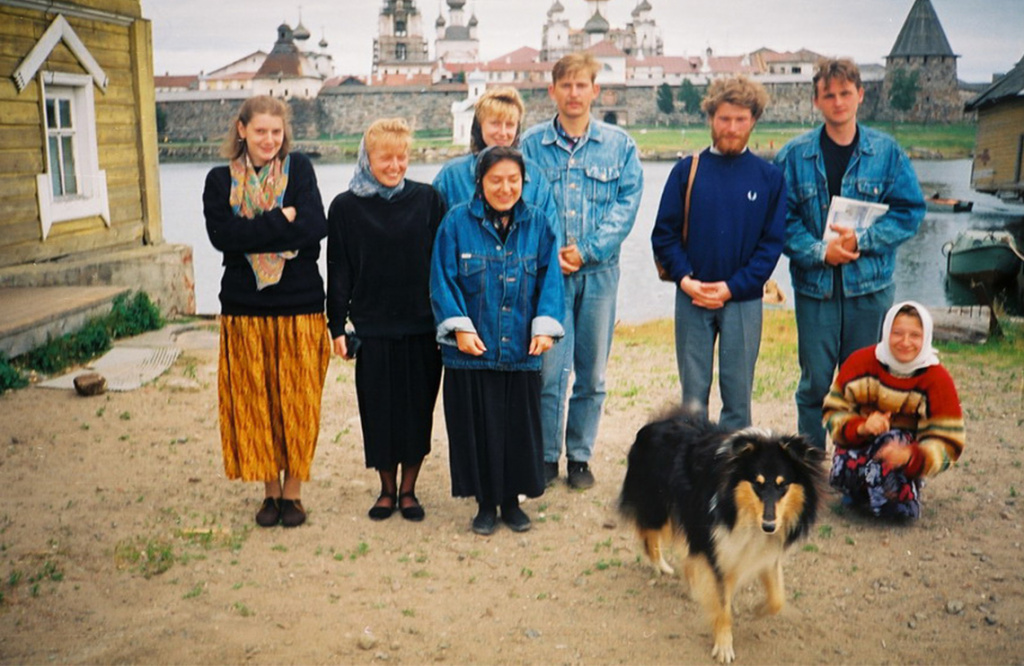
29 316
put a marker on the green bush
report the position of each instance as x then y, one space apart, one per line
10 377
133 316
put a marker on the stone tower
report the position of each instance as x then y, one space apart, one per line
401 45
922 47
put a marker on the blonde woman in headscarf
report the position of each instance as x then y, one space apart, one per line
264 213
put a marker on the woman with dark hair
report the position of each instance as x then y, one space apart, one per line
263 212
381 232
497 121
894 416
497 297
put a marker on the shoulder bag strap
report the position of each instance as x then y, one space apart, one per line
689 188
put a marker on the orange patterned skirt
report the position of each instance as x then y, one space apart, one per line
269 382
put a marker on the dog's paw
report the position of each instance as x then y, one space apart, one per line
664 568
723 651
768 608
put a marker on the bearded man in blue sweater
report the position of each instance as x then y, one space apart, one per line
735 233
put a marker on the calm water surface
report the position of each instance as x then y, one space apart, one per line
920 273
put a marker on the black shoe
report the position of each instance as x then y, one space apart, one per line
486 521
550 473
515 517
380 511
580 476
292 513
415 512
269 514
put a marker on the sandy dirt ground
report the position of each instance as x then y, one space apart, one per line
122 542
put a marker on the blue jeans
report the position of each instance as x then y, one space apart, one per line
737 327
583 352
828 331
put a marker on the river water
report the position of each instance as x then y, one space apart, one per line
920 273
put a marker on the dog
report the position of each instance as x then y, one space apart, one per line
738 499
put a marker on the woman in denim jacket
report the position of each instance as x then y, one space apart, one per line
498 307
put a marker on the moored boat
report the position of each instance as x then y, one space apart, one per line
938 204
989 257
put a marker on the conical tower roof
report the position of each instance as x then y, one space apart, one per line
922 34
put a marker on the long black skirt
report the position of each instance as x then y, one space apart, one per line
397 380
494 436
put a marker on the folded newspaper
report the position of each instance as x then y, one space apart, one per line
852 213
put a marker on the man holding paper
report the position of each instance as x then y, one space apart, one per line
842 273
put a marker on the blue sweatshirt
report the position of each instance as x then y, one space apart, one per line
737 222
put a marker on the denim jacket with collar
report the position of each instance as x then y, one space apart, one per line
597 186
504 292
456 182
879 171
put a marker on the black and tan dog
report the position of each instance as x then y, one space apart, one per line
737 498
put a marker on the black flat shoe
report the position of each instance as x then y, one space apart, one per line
269 514
381 512
486 521
415 512
515 518
292 513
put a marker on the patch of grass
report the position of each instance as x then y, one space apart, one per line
825 531
604 565
147 556
194 592
242 609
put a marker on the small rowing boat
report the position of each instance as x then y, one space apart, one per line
988 257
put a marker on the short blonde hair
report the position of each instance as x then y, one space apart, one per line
738 90
234 146
392 131
503 103
572 63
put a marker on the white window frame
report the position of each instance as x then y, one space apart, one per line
91 198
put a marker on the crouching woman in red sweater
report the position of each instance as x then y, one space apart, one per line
894 416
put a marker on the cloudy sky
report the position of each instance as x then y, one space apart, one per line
190 36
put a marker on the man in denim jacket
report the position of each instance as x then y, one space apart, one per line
597 180
843 285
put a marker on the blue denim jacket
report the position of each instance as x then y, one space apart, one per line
596 184
502 291
456 182
879 171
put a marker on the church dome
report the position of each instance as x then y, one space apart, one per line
439 23
597 24
300 33
456 4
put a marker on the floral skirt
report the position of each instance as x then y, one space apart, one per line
269 382
868 483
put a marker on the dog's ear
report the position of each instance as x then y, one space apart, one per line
740 446
801 449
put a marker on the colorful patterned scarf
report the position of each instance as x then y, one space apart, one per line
253 194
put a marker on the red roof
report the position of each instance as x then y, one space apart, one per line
176 81
522 55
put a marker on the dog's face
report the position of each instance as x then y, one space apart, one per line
770 479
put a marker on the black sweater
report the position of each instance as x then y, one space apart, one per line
301 289
378 261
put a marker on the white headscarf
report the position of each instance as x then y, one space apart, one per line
927 356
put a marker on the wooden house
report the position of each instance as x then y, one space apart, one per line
79 176
999 144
